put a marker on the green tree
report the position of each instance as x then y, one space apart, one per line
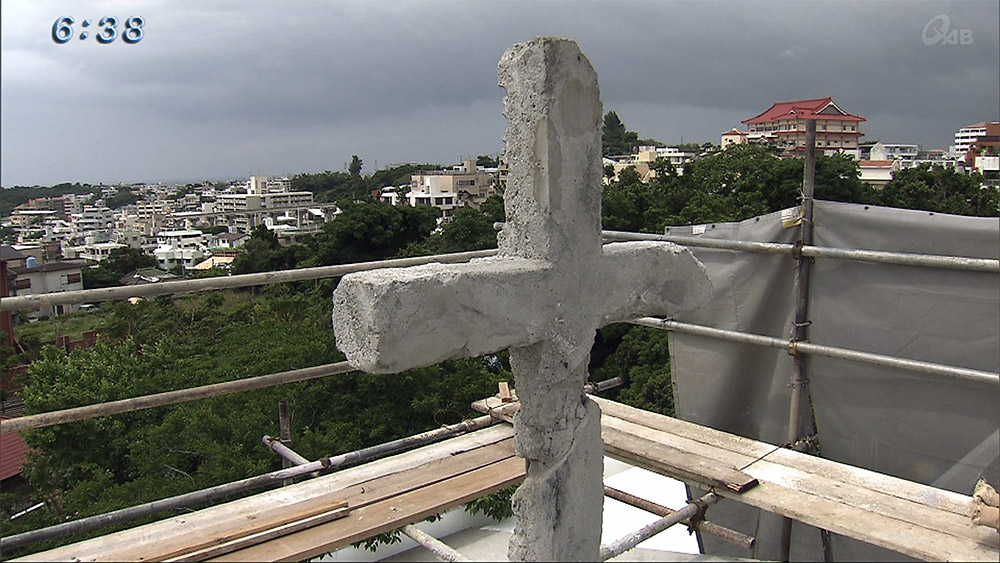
123 197
468 230
487 161
355 167
940 189
120 262
370 230
616 138
263 253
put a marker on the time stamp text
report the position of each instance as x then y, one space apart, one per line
107 30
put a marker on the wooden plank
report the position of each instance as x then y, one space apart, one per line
672 461
793 477
916 492
677 427
262 536
385 515
874 502
497 407
358 485
901 537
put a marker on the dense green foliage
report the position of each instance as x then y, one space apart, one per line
120 262
935 188
334 186
124 197
165 344
735 184
12 197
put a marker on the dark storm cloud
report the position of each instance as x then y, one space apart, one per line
233 87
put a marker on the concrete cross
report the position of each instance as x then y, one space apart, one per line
543 296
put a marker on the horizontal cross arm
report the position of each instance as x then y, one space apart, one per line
395 319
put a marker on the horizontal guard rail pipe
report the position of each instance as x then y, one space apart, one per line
37 301
878 256
972 375
52 418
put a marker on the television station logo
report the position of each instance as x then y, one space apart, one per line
938 31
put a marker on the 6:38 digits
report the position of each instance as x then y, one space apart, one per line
62 29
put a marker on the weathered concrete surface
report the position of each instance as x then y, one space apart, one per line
551 286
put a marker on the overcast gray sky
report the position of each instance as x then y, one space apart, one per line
222 89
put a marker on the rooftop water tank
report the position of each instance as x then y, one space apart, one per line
30 262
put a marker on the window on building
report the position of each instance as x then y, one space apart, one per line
72 278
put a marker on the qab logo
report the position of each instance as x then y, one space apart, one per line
938 32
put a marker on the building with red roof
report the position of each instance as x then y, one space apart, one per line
784 125
13 450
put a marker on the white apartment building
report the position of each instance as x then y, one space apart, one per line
93 218
262 194
183 248
965 136
905 154
96 251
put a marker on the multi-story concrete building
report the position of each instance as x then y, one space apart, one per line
94 218
261 193
967 135
464 184
784 125
183 248
96 252
906 154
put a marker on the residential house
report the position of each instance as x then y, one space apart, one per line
733 137
878 172
53 277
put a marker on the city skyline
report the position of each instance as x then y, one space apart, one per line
226 89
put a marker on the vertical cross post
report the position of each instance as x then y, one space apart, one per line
542 297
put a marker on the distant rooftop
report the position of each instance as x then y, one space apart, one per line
824 108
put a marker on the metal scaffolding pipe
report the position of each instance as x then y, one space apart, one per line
249 484
42 420
703 526
441 550
287 454
37 301
877 256
905 259
609 383
702 242
966 374
438 548
800 324
635 538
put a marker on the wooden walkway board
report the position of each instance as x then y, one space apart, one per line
359 486
906 517
902 516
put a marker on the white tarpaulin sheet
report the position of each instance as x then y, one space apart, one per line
925 428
